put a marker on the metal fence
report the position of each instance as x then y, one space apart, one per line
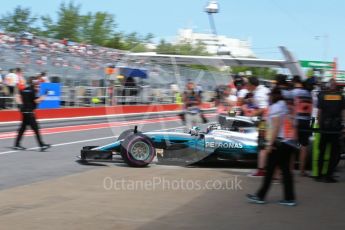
85 96
7 100
99 96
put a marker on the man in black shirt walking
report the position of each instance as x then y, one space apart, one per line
28 101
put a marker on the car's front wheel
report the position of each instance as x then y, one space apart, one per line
137 150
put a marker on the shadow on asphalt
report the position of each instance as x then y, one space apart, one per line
86 163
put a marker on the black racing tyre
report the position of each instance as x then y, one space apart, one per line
137 150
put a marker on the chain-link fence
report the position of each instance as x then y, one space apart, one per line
7 97
86 96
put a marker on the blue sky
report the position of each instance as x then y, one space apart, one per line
312 29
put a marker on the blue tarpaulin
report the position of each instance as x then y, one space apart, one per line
130 72
52 92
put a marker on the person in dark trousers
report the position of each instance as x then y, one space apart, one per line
303 108
192 102
130 89
27 101
279 149
331 105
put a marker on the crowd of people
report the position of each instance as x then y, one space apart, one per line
40 52
290 112
51 46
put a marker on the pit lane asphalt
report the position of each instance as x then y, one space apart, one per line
11 126
50 190
25 167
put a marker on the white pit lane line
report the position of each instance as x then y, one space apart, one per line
81 141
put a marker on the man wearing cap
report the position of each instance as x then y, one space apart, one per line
11 80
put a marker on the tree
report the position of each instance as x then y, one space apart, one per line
165 48
115 41
20 20
48 27
262 72
97 28
310 72
131 40
86 22
68 22
148 38
181 49
190 49
135 42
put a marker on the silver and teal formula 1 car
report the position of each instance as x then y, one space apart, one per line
214 143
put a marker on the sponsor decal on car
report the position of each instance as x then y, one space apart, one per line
225 145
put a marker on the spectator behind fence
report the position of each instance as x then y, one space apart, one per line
11 81
130 89
192 102
2 91
43 51
42 77
21 80
1 75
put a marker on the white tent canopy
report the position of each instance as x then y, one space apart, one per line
290 62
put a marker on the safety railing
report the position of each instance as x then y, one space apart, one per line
85 96
7 102
7 98
99 96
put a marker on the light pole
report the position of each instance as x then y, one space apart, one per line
212 8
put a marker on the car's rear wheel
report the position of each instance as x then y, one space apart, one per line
137 150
